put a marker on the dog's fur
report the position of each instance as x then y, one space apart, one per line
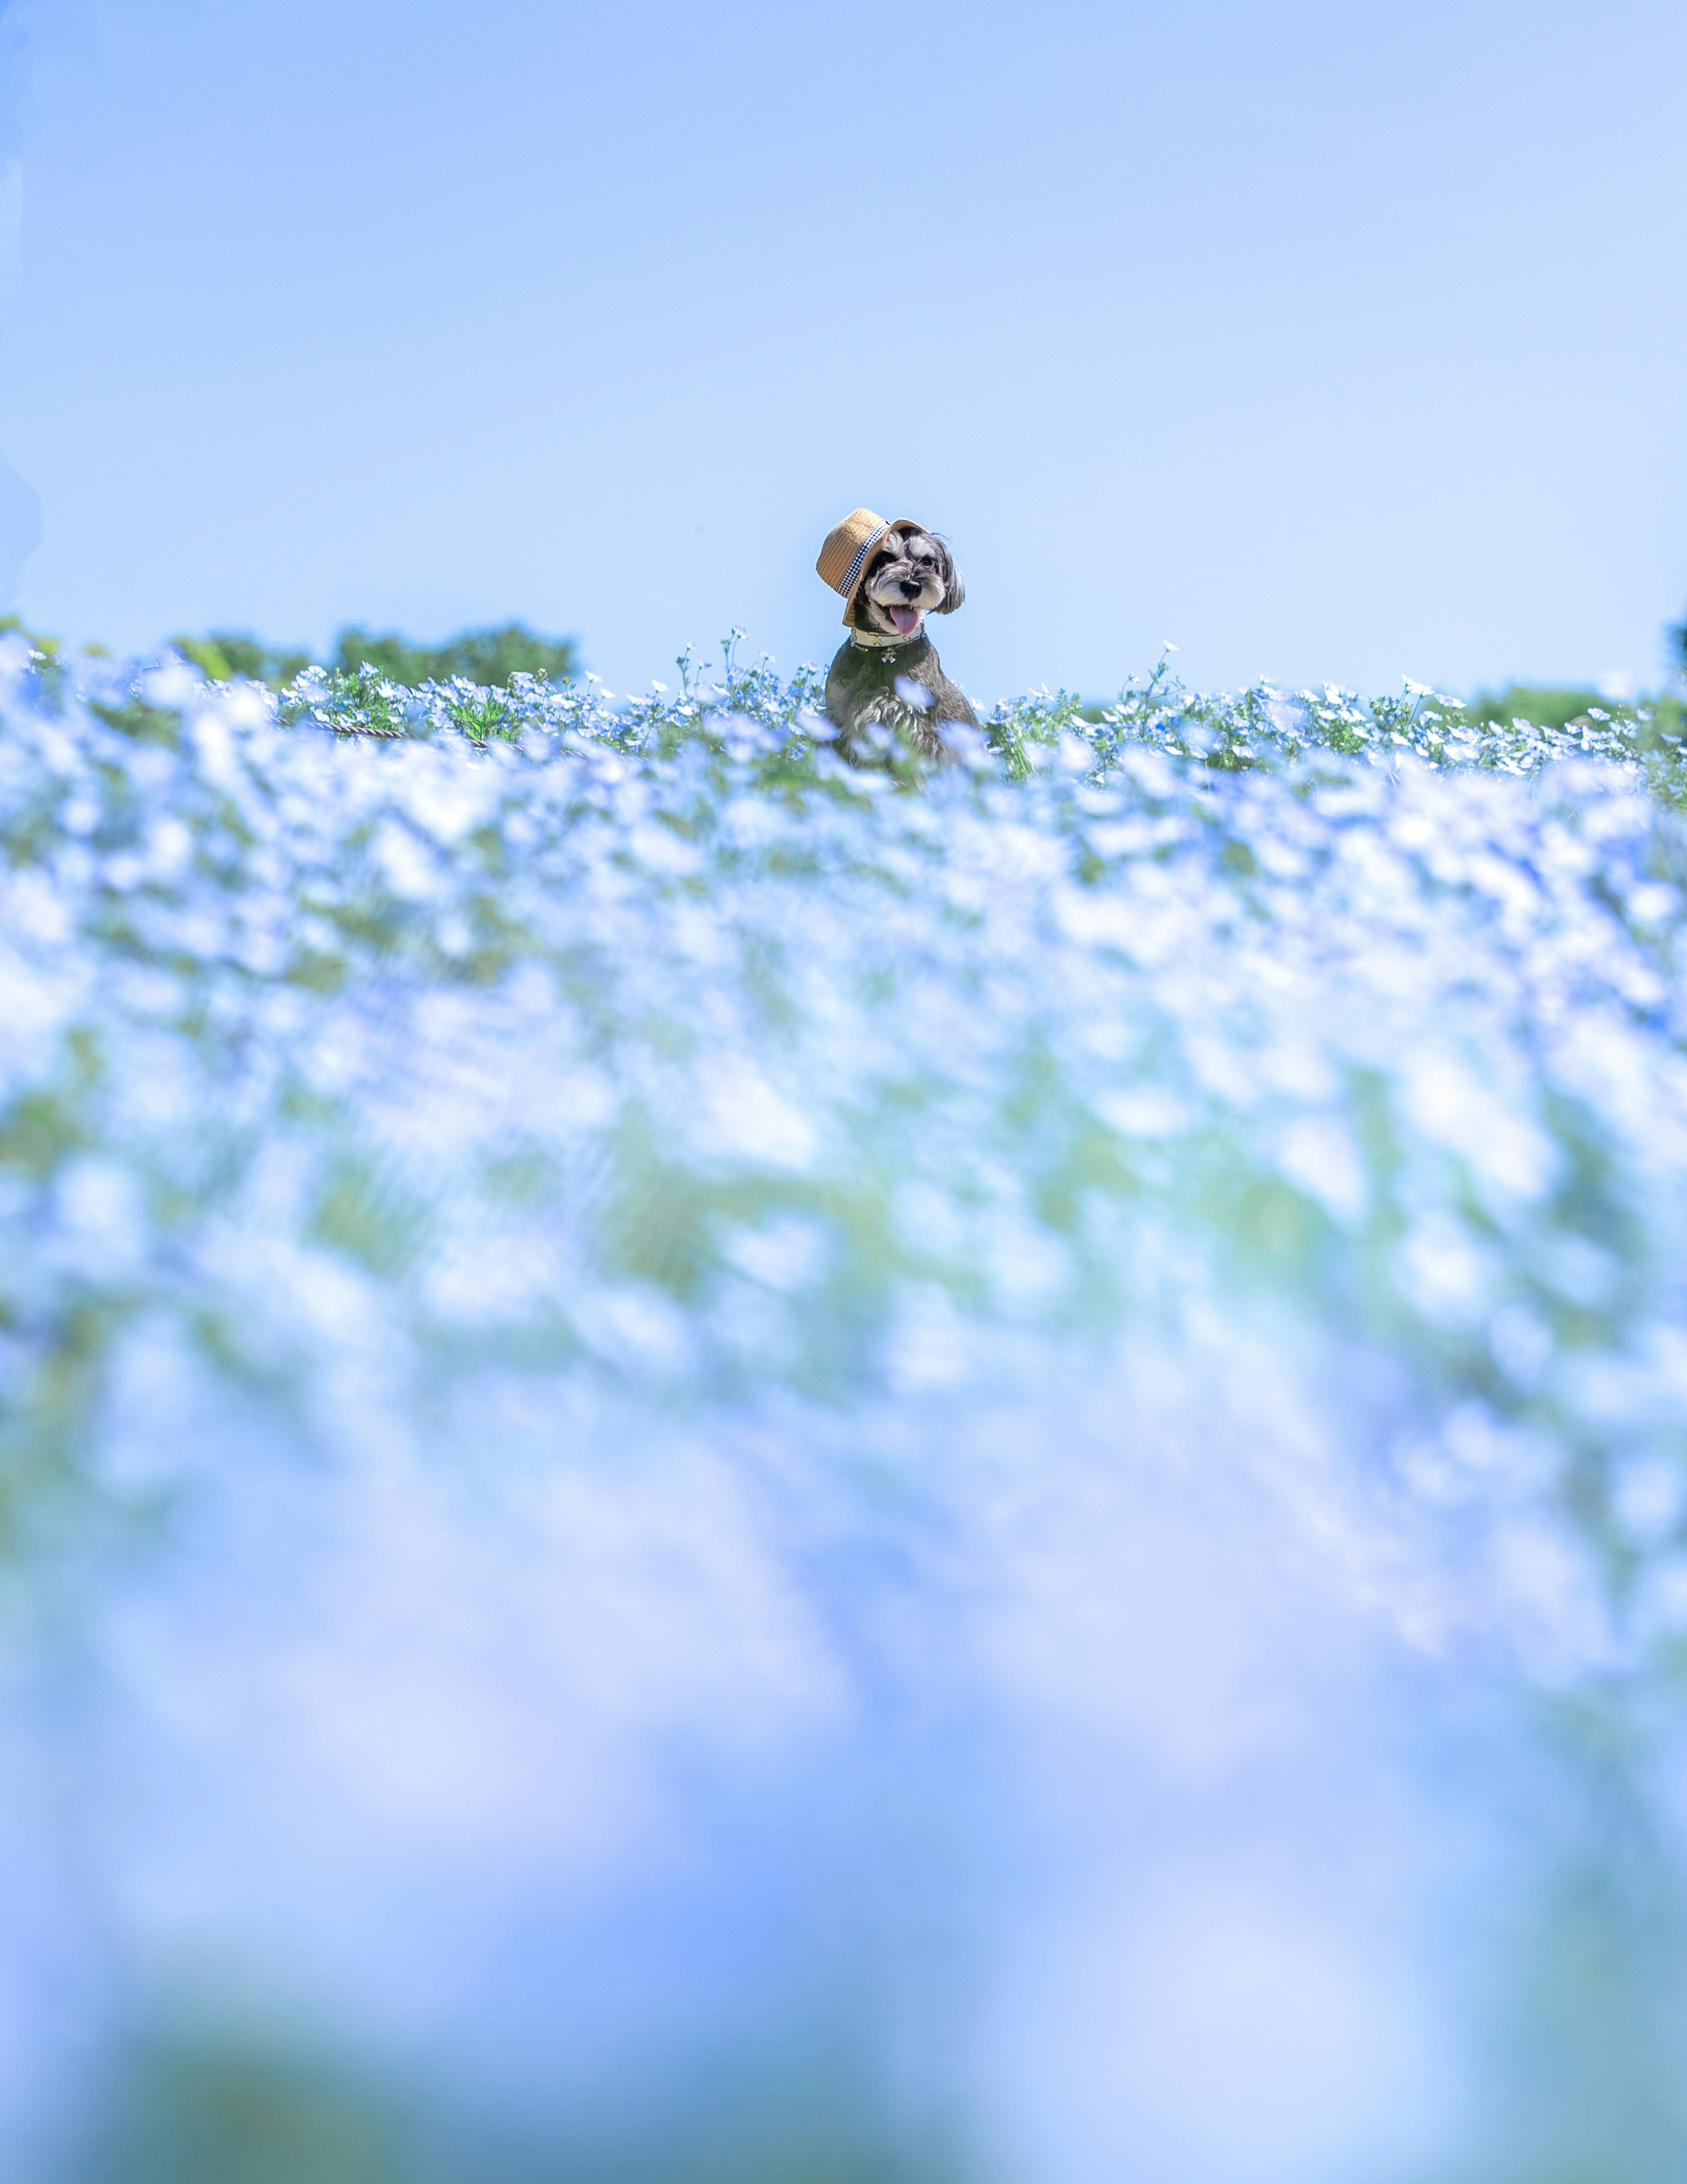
887 674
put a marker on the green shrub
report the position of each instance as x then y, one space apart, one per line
488 657
1548 705
226 655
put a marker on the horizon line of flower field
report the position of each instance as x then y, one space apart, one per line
751 711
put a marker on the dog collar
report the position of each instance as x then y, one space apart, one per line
871 643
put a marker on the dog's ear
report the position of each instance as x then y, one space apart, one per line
954 591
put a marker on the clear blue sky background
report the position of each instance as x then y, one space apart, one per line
1330 340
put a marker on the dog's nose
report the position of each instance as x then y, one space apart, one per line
913 584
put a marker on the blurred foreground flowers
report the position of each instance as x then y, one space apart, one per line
715 1469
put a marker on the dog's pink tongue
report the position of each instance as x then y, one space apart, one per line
907 619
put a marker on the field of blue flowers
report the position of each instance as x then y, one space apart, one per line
724 1469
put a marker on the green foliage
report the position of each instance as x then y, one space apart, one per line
232 654
1486 729
1546 705
227 655
488 657
13 624
363 701
1264 729
1016 730
50 656
750 714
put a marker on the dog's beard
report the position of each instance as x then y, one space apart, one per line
898 616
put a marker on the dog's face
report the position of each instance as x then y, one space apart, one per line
910 575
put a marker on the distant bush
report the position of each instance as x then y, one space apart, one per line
49 647
1558 709
488 657
228 656
1548 705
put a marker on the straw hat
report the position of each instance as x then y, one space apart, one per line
844 558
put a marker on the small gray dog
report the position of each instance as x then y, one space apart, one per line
888 673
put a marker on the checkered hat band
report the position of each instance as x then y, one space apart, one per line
861 553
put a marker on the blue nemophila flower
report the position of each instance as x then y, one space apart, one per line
671 1407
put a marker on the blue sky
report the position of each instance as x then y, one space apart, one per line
1329 340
